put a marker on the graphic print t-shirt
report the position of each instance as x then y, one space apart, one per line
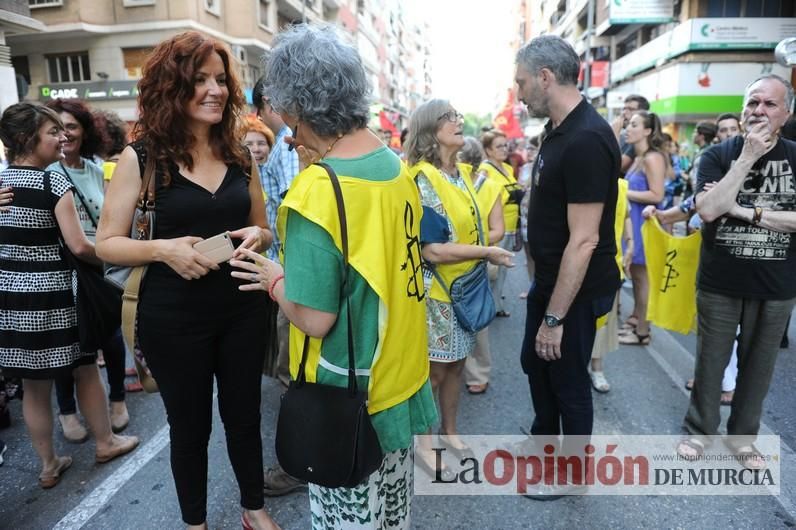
739 259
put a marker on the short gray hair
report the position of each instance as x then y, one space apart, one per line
789 96
313 75
553 53
421 141
472 153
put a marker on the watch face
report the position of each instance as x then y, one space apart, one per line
551 321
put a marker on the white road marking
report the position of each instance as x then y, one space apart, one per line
95 500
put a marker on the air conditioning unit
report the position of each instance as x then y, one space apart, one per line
240 54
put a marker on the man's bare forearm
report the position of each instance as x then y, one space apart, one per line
574 264
722 197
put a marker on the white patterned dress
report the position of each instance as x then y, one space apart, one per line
38 321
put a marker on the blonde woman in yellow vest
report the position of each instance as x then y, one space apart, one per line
451 243
488 194
310 71
496 149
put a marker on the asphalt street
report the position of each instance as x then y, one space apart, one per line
647 397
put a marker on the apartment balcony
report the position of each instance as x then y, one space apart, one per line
704 34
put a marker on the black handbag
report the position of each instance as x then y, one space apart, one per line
97 304
324 434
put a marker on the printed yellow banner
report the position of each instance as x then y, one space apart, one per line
672 264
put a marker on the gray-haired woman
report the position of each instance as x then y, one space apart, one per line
318 85
453 244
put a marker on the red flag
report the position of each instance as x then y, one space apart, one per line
507 121
385 123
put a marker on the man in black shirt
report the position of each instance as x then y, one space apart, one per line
570 234
747 265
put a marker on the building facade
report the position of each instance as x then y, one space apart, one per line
95 49
691 58
15 19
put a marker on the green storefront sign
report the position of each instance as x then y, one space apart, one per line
90 91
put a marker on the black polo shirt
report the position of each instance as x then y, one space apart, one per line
578 162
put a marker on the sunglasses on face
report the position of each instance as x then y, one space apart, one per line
452 116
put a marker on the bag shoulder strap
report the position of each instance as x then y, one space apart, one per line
79 195
338 195
499 169
146 197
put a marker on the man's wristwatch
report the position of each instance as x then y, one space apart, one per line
552 321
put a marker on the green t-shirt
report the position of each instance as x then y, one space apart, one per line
314 277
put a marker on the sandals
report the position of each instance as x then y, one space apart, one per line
50 481
477 389
442 474
599 382
635 339
749 457
629 324
503 314
695 444
726 398
459 452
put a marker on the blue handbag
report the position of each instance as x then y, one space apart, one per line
470 294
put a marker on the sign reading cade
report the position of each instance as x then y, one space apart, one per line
640 11
93 90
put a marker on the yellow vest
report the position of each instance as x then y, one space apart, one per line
459 208
672 264
506 180
619 222
486 195
384 248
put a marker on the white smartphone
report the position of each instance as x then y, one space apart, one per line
218 248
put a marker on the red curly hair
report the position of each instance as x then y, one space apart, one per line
166 87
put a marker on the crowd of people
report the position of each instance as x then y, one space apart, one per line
356 254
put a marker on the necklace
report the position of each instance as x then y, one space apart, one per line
331 145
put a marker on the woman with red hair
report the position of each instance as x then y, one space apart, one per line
194 324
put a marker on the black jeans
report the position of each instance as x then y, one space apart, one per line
561 389
185 353
113 352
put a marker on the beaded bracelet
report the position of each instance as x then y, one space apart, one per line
273 285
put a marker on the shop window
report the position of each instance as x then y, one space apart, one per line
68 67
134 60
45 3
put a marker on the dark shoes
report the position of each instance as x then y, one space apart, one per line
277 482
541 492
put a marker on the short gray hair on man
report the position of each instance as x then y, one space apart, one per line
313 75
421 141
472 153
553 53
789 95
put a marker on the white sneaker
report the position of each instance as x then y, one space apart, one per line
599 382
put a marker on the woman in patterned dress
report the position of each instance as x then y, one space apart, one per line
451 242
39 338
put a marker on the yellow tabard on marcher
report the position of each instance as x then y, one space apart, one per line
458 206
619 228
383 220
672 264
506 180
485 195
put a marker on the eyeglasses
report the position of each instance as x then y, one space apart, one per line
452 116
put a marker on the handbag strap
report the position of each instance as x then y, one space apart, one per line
338 195
79 195
146 201
146 197
485 243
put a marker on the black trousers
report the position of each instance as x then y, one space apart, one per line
113 352
561 389
186 351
